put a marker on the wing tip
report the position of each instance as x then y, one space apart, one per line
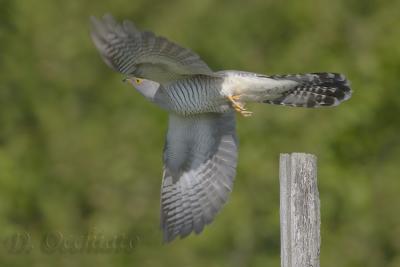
104 24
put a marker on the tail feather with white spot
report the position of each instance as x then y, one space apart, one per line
313 90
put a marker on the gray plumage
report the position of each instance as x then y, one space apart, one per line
200 159
200 154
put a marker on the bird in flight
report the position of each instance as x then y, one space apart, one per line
200 153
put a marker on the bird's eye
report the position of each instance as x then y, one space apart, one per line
138 81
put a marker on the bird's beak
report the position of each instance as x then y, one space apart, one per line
131 80
128 77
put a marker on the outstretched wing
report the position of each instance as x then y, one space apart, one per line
141 53
200 159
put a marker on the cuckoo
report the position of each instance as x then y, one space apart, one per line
201 148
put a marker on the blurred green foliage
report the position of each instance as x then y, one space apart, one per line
80 151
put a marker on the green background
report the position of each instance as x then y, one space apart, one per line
80 151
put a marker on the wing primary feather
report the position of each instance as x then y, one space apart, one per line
128 50
204 177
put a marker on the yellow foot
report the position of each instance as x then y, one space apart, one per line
239 107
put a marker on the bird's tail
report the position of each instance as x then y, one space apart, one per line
313 90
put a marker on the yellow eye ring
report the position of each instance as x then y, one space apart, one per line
138 81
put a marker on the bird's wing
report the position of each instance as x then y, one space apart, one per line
141 53
200 157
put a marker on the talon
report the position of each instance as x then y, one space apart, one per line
239 107
236 105
235 97
246 113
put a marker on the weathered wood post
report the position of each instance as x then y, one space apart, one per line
299 210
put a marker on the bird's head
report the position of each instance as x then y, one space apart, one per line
147 88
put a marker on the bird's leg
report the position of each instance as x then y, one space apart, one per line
239 107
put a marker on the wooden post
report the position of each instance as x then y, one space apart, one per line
299 210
